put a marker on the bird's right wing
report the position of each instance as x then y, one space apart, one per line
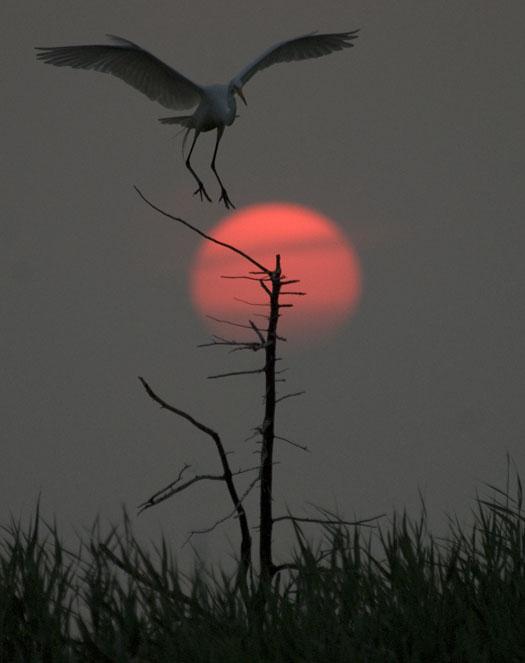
132 64
301 48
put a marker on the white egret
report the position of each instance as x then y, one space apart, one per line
216 107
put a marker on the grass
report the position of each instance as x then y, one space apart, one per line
393 593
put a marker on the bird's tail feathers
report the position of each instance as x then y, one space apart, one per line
184 121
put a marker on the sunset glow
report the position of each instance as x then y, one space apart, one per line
312 249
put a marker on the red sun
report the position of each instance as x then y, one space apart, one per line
312 249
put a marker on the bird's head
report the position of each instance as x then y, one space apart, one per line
237 89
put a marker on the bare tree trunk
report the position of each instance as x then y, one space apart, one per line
268 428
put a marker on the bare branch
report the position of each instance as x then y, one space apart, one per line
335 516
297 393
180 413
228 322
207 530
293 292
172 488
239 324
173 483
248 345
245 301
263 269
221 342
216 337
241 345
234 373
294 444
246 540
265 288
247 278
256 431
247 469
257 331
327 521
159 497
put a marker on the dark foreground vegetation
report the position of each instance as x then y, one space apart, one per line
391 593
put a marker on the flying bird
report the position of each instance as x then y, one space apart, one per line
215 104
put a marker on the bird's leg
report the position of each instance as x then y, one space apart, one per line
224 194
201 190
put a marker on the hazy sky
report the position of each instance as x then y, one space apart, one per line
412 142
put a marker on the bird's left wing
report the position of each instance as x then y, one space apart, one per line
131 63
301 48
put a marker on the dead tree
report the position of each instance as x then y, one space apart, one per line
271 280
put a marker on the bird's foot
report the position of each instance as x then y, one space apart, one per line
226 199
202 192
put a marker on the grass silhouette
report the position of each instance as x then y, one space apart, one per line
384 594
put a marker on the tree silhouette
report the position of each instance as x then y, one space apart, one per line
273 282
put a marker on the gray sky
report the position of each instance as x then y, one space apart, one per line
412 142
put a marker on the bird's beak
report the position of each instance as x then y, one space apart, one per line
241 95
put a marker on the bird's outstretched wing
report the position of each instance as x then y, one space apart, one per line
132 64
301 48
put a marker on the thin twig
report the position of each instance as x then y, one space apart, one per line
296 393
237 324
327 521
246 301
162 494
207 530
249 346
247 278
256 431
257 331
294 444
335 516
228 322
265 288
263 269
158 497
241 344
234 373
168 487
216 337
